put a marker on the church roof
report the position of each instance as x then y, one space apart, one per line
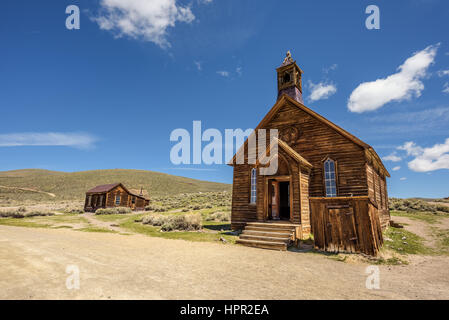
289 150
285 98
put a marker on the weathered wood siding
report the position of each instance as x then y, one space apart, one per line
318 141
107 200
377 192
242 210
346 225
304 178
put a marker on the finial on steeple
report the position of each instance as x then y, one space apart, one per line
288 59
289 78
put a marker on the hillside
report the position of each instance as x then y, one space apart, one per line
38 185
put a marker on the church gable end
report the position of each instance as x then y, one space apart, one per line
315 141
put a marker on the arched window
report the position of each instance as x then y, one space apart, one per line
329 178
253 186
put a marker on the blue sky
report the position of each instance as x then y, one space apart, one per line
112 92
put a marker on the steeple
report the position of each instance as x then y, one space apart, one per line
290 79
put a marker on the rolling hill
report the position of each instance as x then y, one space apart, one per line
43 185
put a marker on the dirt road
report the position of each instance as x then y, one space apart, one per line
33 265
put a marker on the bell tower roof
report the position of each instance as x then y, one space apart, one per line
289 78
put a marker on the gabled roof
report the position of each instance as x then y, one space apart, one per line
136 192
103 188
285 98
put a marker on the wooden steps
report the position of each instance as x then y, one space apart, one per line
275 236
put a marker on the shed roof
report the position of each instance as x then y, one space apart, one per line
140 193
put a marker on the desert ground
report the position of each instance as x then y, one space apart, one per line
134 266
118 256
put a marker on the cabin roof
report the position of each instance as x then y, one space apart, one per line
285 98
103 188
108 187
136 192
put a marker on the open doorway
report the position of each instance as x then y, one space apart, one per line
284 200
279 200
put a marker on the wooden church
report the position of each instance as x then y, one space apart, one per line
328 183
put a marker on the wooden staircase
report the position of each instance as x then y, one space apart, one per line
275 236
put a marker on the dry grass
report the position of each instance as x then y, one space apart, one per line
118 210
22 212
184 222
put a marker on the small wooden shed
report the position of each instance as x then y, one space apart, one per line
115 195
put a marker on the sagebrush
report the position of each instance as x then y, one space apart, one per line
118 210
184 222
22 212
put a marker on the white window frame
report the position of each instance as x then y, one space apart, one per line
119 198
253 189
330 178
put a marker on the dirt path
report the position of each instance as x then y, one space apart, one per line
90 216
34 261
31 190
424 229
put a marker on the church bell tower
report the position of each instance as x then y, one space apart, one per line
290 79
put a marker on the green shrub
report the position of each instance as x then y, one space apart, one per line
74 210
118 210
188 222
155 219
443 208
185 222
413 205
155 208
219 216
22 213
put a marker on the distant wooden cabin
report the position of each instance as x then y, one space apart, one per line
115 195
328 183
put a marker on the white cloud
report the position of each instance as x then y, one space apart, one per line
397 168
427 159
411 148
223 73
198 65
77 140
331 68
403 179
142 19
239 70
392 157
402 85
321 91
442 73
446 87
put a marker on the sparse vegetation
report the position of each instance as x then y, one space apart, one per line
190 201
185 222
58 186
416 205
404 242
73 210
22 212
96 229
220 216
118 210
